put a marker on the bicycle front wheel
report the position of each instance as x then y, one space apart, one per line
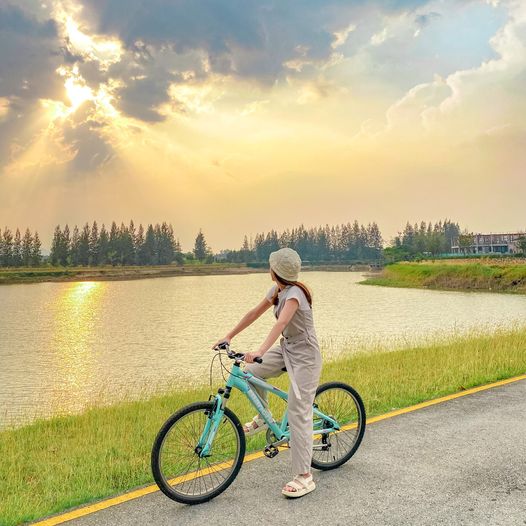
178 469
342 403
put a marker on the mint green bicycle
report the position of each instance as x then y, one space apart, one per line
199 450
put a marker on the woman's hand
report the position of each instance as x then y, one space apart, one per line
249 356
226 339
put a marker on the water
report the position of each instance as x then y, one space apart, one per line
64 346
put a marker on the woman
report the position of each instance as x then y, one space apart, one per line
298 353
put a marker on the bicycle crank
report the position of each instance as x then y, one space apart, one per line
272 439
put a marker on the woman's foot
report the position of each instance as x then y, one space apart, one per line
301 485
255 426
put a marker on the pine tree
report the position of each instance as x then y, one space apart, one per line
375 238
127 248
113 253
165 244
36 255
245 251
139 246
200 247
157 230
94 244
27 245
178 253
65 247
103 245
84 245
133 235
17 249
149 247
55 246
74 252
1 248
7 250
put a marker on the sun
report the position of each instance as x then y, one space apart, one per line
77 92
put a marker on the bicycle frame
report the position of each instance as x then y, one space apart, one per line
244 382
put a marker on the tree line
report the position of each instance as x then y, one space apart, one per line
337 243
121 245
423 239
18 251
157 245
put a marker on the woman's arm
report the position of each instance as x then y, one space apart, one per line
285 316
250 317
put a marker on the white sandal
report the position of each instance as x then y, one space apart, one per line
301 484
255 426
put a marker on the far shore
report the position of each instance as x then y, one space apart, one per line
11 276
466 276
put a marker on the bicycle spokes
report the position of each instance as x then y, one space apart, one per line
182 462
340 405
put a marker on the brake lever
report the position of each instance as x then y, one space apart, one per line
235 355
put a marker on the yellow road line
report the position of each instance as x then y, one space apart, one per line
135 494
442 399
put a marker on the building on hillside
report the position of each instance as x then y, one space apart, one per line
490 244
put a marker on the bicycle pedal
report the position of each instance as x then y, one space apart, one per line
270 451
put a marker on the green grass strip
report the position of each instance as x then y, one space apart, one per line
56 464
495 277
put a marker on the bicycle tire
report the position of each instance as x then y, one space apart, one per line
163 481
360 425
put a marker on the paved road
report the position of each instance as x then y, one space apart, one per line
462 462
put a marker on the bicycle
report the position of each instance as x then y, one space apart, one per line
199 450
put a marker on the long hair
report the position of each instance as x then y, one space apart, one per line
284 281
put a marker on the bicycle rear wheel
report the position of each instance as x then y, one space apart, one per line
180 472
342 403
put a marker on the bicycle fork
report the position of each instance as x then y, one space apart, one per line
214 417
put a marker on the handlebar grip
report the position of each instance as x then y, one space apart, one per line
258 359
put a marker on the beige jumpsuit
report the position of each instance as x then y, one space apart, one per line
299 352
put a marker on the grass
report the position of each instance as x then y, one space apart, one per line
475 276
54 464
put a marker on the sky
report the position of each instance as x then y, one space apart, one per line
241 116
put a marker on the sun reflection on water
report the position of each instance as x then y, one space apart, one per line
76 311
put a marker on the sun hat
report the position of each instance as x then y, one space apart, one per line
286 263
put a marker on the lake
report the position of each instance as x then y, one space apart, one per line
64 346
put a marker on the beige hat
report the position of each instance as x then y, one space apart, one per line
286 263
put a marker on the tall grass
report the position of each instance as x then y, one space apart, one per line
55 464
499 277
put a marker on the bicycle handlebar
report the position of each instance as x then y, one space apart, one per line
224 346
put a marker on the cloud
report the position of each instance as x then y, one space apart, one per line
340 37
261 41
469 102
89 151
30 54
129 63
379 38
41 88
149 47
104 50
424 20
